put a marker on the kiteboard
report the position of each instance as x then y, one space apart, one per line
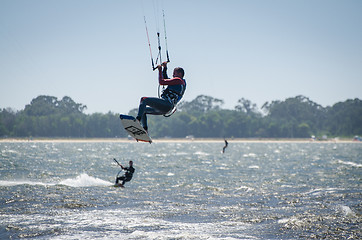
134 128
118 185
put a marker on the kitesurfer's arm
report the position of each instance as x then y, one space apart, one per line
164 71
166 81
160 74
172 81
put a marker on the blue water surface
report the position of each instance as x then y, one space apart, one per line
181 190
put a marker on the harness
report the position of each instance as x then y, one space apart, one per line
127 174
173 95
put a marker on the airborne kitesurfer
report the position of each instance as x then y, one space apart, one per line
169 98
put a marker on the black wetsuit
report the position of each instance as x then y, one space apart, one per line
226 145
127 176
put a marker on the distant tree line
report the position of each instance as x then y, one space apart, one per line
46 116
296 117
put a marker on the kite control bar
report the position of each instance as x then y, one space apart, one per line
117 162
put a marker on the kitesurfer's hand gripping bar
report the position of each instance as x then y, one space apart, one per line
164 64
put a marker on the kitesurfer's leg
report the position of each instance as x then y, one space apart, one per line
143 121
120 178
157 106
126 180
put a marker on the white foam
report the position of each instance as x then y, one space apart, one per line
321 191
8 151
84 180
245 188
254 167
346 211
294 221
21 182
283 220
252 155
349 163
201 153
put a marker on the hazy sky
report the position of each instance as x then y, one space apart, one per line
96 52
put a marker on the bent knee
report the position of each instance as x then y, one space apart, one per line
142 99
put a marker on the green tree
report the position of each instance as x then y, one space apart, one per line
247 107
345 118
7 121
289 114
201 104
41 106
67 105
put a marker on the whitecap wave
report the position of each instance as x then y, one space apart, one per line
321 191
349 163
200 153
251 155
254 167
345 210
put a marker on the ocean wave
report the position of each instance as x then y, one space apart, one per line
345 210
349 163
322 191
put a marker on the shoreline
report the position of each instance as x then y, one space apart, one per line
176 140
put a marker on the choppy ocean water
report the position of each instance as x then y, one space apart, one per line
181 190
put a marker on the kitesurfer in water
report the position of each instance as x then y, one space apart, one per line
128 174
226 145
169 98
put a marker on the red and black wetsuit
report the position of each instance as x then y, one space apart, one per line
170 97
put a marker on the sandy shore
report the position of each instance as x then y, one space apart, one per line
156 140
